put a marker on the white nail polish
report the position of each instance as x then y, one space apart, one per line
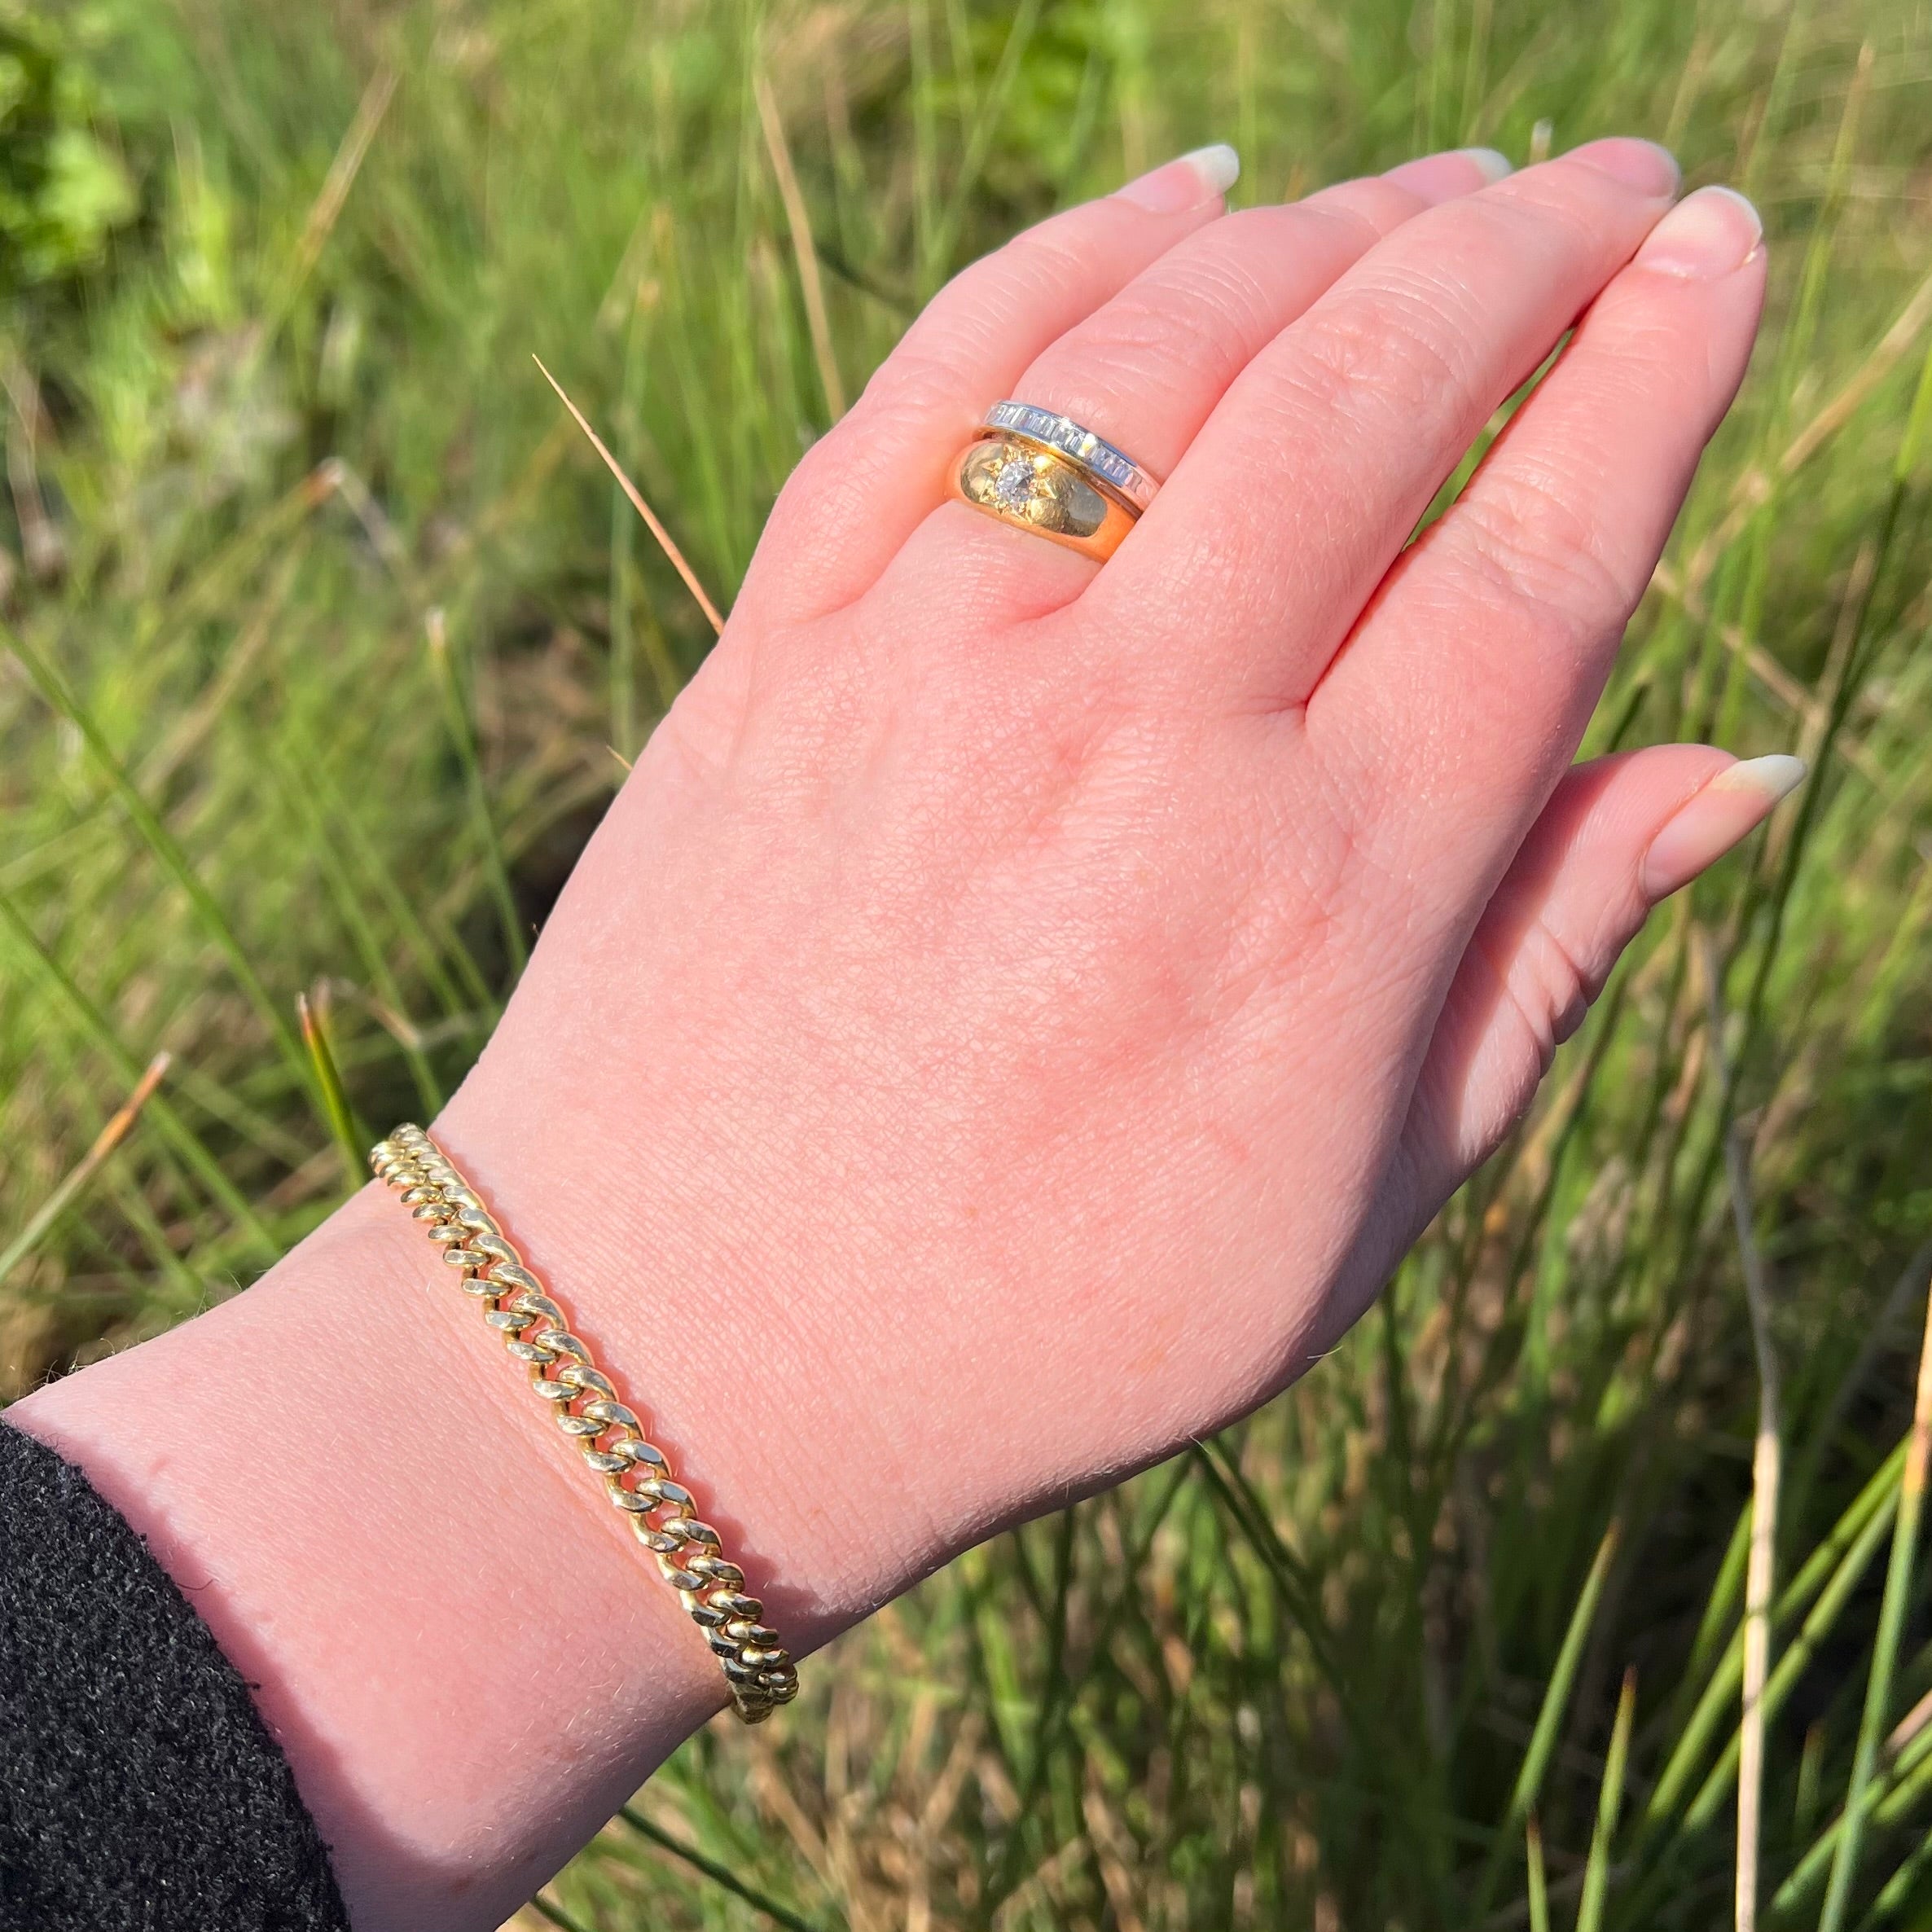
1219 167
1773 777
1706 235
1711 821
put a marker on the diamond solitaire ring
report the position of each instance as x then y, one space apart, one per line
1043 472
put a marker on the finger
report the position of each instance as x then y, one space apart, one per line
1252 563
1144 370
868 482
1617 835
1461 698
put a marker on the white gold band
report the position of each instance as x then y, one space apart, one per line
1111 467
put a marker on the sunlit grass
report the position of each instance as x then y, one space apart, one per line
324 625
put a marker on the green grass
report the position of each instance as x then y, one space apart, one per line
324 627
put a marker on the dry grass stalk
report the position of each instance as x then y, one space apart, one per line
1047 1881
1773 679
343 170
637 502
105 1142
1755 487
1767 1464
798 219
1113 1850
42 544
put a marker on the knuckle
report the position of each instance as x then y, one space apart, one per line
1641 354
1396 353
1153 355
1568 200
1540 985
1369 207
1563 980
1551 967
1050 256
983 300
921 375
1520 532
1225 296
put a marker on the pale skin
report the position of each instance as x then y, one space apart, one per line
1018 1011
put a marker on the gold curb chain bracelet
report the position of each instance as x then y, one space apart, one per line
636 1476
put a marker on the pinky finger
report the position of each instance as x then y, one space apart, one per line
1619 835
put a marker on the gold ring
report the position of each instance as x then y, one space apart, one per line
1024 481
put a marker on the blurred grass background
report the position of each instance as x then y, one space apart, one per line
324 635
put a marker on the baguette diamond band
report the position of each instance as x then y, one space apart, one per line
1114 467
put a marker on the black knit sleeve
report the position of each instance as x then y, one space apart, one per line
138 1786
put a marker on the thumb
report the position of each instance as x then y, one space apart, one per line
1617 835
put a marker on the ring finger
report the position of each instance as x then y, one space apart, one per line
1145 369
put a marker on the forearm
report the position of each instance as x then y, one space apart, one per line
820 1300
466 1655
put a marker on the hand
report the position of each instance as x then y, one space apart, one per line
1025 1008
1018 1011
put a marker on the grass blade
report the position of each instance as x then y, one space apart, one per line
557 1915
301 792
1539 1891
1609 1804
1296 1593
1906 1780
1725 1590
1792 1664
340 1119
798 219
1899 1888
979 140
77 1177
1549 1718
719 1874
1885 1649
1057 1703
456 712
186 1144
162 843
1811 1771
1877 1498
440 955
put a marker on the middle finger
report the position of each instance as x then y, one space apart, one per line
1253 563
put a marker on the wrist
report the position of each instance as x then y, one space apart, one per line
342 1474
737 1320
356 1490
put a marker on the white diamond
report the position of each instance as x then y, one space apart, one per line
1012 483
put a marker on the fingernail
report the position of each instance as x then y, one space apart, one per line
1639 165
1186 183
1705 235
1441 176
1738 800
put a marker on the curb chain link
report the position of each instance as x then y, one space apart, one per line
637 1477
